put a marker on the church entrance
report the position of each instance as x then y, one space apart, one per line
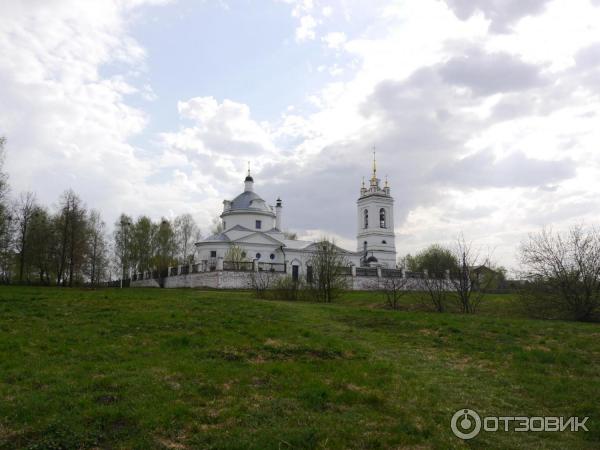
295 272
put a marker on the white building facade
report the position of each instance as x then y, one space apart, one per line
255 229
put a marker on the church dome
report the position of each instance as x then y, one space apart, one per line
249 178
249 200
371 259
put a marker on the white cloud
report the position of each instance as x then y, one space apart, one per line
66 124
484 118
334 39
306 29
450 92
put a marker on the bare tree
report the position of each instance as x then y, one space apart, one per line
24 210
97 247
437 291
328 267
262 281
5 216
563 271
217 226
6 247
469 294
291 235
394 288
186 232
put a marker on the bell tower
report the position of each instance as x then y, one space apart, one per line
375 237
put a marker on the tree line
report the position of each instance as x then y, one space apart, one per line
559 277
69 244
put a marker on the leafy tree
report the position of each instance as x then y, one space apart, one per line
122 248
236 256
166 247
141 243
435 259
41 239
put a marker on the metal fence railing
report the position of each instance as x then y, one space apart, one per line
271 267
237 266
415 274
345 270
391 273
366 271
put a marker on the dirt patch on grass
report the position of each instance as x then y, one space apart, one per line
278 353
168 443
108 399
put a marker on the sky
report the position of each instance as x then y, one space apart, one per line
484 114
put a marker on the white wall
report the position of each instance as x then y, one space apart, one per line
248 220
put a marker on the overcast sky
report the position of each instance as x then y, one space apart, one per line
485 113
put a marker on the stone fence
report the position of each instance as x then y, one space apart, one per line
220 274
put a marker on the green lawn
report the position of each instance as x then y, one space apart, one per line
150 368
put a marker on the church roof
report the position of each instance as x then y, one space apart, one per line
217 237
240 228
249 200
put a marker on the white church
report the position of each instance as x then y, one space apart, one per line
255 228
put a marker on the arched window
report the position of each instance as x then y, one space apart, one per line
366 214
382 218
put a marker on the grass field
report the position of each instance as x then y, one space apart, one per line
143 368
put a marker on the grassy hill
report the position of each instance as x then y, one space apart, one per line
143 368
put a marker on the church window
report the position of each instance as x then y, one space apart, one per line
382 223
366 214
258 224
213 253
258 255
272 256
243 254
384 242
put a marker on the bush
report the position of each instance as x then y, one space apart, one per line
563 273
287 288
